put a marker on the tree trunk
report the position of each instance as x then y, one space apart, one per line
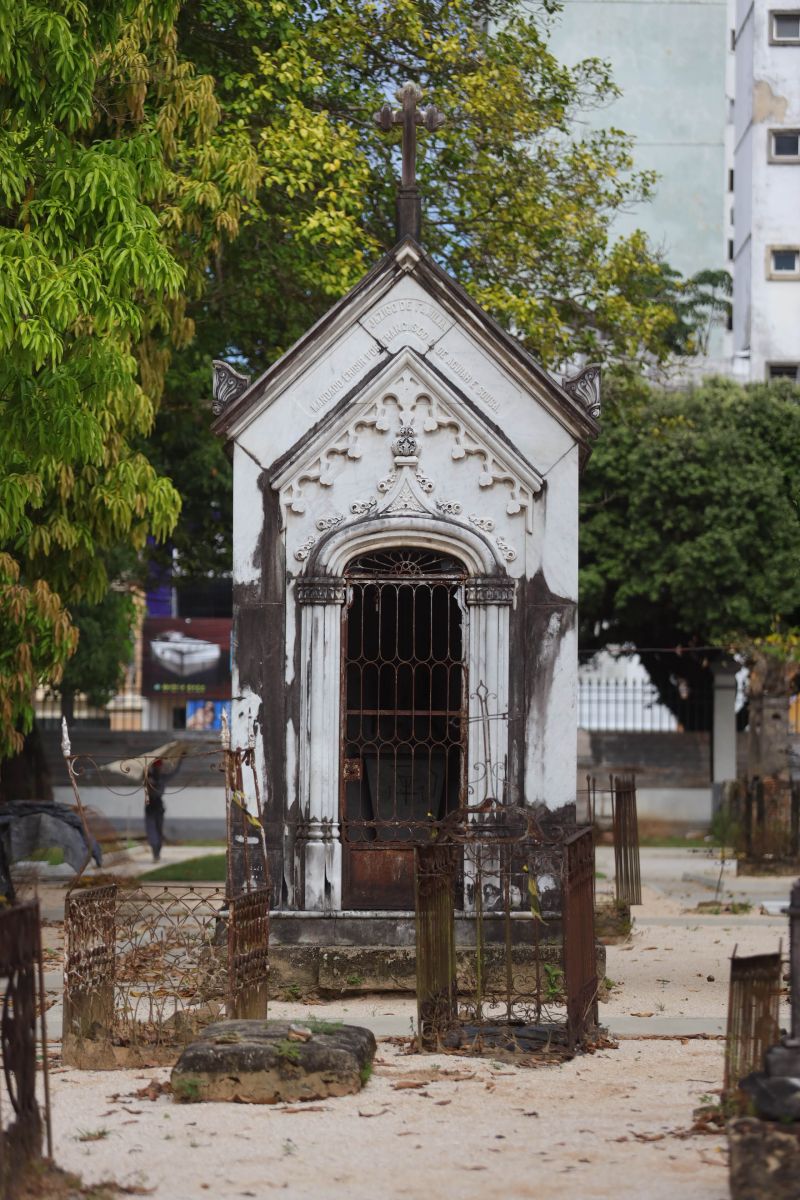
26 776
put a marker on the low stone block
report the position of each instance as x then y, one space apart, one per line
764 1160
265 1062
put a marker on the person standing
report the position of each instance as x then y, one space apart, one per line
154 806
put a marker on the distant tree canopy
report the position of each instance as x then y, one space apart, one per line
690 525
180 181
519 199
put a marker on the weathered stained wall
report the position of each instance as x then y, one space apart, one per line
491 477
766 307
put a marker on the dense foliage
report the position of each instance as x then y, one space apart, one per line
210 170
112 197
690 526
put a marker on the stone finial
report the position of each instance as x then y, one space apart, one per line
66 745
228 384
224 731
585 388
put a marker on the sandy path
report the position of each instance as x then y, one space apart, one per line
506 1130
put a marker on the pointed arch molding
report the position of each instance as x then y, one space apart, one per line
407 405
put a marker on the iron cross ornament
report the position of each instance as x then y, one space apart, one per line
409 116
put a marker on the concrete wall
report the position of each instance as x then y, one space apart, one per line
766 194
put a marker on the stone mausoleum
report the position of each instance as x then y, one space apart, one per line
405 579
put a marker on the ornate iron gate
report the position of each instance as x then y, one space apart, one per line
404 716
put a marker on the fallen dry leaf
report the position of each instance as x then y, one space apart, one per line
404 1084
379 1113
298 1108
642 1014
153 1090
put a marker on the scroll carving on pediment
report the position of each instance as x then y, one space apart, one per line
407 413
585 388
228 384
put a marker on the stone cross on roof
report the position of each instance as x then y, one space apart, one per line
409 116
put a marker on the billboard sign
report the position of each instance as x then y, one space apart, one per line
187 657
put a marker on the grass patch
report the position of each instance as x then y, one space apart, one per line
91 1135
365 1074
218 843
187 1090
288 1050
52 855
206 868
318 1026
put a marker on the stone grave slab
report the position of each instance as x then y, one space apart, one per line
266 1062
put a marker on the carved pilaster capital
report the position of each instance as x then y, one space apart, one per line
322 589
489 589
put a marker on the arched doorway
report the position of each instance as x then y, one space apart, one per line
404 716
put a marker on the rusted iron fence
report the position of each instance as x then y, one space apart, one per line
22 1032
580 954
753 1026
627 872
526 978
248 955
767 819
146 968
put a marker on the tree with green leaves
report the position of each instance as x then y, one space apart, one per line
690 527
113 195
519 200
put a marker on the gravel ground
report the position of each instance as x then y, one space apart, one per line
604 1125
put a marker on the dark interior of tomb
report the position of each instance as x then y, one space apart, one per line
404 682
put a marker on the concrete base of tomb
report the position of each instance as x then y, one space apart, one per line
357 953
764 1159
268 1062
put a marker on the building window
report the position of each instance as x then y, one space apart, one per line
730 249
733 39
784 145
784 28
783 371
730 180
783 262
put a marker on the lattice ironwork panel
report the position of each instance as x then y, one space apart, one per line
89 950
171 962
248 955
753 1022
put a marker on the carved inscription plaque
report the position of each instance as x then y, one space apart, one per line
396 319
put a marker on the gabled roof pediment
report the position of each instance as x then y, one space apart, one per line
409 422
406 302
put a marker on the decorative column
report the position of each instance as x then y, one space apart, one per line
319 843
489 600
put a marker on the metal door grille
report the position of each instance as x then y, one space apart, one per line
404 727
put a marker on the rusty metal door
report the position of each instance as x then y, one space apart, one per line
404 717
